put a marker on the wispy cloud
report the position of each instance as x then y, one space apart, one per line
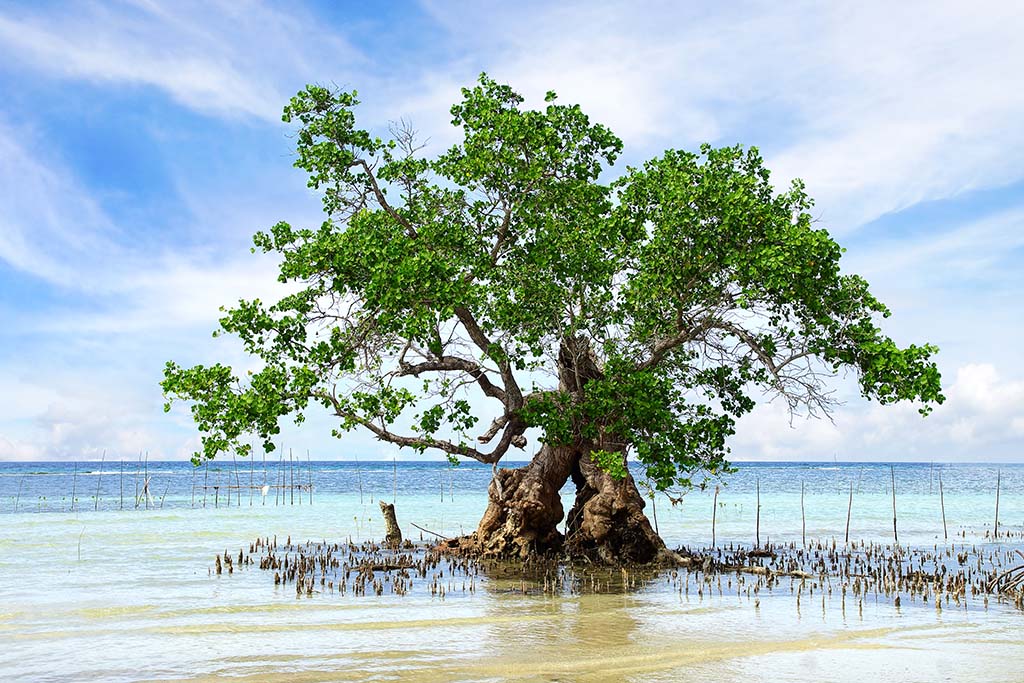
222 58
878 107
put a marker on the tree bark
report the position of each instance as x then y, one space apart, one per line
606 524
524 508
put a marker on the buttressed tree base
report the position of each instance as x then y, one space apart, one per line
500 293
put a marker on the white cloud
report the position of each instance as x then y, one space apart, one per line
221 58
982 419
877 107
48 219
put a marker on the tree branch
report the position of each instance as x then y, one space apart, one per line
454 364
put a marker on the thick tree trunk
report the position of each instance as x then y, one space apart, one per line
607 521
524 508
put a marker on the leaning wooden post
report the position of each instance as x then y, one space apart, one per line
757 515
138 466
895 535
451 482
309 470
17 499
849 509
145 483
996 528
238 483
803 517
74 485
359 480
99 478
714 514
942 505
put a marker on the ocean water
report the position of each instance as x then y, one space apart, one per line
109 584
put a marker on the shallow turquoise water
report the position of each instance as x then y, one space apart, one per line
125 594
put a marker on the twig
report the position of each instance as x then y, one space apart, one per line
441 536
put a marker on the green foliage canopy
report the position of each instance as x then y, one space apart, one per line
691 283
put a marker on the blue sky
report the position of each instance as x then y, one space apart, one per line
141 146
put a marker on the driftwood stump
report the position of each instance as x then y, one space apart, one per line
393 534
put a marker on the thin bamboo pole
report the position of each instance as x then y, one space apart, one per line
849 510
138 466
99 478
206 479
451 482
996 527
252 468
803 517
265 474
193 503
757 513
74 485
895 534
238 482
279 477
654 512
309 469
145 481
942 505
291 480
714 515
17 499
359 480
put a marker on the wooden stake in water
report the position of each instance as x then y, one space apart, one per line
309 469
451 482
359 480
138 466
895 535
279 479
996 527
193 503
145 483
942 505
654 511
74 483
849 510
238 483
99 478
252 468
757 515
803 517
714 514
17 498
